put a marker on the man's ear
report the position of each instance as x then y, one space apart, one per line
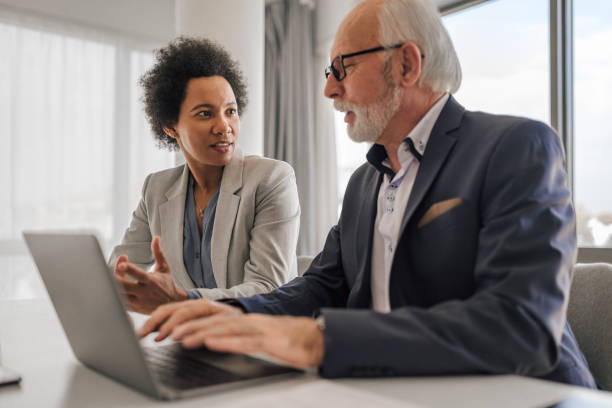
169 130
411 64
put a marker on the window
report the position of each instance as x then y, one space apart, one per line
593 134
503 48
67 115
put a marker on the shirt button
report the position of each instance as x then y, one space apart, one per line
390 210
197 255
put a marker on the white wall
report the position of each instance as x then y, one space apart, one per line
238 25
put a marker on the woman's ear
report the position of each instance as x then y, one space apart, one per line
410 55
170 132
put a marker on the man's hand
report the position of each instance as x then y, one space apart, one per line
167 317
150 289
298 341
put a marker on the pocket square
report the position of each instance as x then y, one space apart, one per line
437 210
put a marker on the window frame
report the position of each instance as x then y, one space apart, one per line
561 38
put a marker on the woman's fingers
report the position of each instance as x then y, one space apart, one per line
158 254
120 260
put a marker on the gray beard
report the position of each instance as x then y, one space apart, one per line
371 121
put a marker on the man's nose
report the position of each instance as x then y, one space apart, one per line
333 88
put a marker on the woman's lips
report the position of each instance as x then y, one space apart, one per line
222 147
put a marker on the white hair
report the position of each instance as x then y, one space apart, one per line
419 21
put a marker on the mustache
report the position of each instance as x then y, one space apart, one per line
344 106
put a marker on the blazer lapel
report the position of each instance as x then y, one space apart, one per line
171 217
225 216
361 293
438 147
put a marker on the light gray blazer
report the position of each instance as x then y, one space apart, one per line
254 234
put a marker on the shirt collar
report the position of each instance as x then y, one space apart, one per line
377 155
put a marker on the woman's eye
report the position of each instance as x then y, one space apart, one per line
232 111
205 114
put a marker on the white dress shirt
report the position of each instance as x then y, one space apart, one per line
392 200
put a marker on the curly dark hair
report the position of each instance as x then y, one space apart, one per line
165 84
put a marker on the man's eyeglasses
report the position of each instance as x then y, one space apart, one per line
337 65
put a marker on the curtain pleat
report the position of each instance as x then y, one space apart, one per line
289 126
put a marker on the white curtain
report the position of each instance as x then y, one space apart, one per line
56 104
297 125
75 146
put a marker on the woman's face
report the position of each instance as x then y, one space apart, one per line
208 124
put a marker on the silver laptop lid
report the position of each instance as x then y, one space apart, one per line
90 306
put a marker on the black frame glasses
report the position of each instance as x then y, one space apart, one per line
337 65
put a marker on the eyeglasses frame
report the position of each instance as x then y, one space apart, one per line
331 70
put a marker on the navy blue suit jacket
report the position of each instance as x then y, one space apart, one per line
481 288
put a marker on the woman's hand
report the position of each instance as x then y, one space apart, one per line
148 290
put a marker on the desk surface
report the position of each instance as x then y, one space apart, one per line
33 343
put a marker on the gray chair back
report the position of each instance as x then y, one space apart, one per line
304 262
590 316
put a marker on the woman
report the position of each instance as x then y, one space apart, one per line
228 223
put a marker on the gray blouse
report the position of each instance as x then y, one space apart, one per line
196 248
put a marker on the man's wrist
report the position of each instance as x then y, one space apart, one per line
193 294
234 303
318 341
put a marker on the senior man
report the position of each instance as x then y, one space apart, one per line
454 249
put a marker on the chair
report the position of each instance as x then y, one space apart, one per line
589 314
304 262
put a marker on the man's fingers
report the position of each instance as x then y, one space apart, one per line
158 317
189 311
228 344
169 316
219 325
234 334
250 343
158 254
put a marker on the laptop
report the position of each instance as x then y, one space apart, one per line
93 314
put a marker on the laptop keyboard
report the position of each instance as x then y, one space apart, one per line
180 369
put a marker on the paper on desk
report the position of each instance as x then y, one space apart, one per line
317 393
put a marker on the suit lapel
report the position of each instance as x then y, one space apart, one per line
171 217
225 216
361 295
438 147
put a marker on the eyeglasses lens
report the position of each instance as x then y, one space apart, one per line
337 69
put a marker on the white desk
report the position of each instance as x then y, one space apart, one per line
33 343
